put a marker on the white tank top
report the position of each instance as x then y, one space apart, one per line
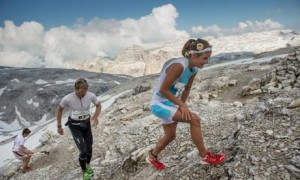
178 86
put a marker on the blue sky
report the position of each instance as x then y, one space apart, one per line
224 13
51 33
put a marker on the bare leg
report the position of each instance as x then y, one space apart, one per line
196 132
26 161
170 134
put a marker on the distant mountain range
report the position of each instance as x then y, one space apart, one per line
144 59
29 96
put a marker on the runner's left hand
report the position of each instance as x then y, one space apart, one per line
94 121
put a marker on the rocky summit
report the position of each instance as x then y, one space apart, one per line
249 111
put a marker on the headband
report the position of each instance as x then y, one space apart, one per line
201 51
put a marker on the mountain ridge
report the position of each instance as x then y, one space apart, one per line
144 59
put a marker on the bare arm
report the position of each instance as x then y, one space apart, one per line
172 73
186 91
96 114
59 112
24 150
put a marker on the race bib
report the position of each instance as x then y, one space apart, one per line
180 87
80 114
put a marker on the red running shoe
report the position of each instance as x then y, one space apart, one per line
158 165
213 159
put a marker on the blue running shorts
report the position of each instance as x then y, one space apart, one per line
165 111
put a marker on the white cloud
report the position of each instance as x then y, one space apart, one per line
214 30
268 24
28 36
243 27
18 58
197 29
256 26
29 45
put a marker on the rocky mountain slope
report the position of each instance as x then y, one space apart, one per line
249 111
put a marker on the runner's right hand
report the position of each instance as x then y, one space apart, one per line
60 130
185 112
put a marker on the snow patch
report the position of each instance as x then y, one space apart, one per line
101 81
53 100
23 120
29 102
117 82
16 80
2 90
43 120
40 81
245 61
110 101
5 127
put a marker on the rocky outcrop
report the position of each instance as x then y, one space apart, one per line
281 78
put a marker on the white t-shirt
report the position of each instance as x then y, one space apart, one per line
18 141
79 107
